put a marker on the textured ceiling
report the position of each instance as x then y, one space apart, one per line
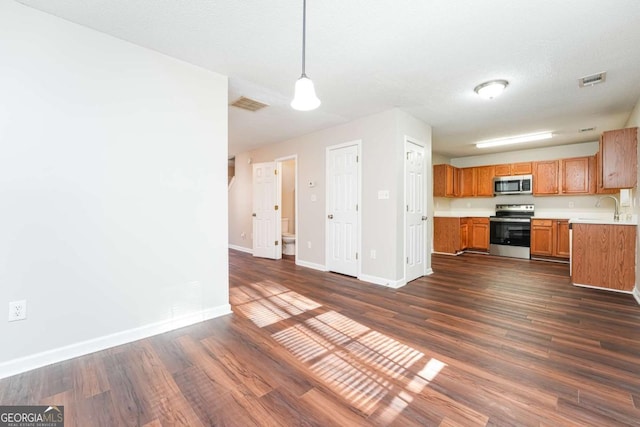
422 56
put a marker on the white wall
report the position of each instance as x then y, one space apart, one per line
382 167
112 177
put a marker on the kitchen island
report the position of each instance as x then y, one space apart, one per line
603 253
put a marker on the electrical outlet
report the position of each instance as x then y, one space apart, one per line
17 310
373 254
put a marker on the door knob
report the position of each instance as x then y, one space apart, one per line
330 216
424 218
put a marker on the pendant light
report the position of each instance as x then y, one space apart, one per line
305 98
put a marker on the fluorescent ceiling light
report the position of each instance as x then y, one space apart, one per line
491 89
514 139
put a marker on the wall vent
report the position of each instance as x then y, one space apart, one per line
593 79
248 104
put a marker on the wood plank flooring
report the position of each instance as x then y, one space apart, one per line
484 341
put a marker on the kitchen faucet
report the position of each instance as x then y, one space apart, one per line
616 212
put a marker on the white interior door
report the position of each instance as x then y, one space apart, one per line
416 212
266 211
342 221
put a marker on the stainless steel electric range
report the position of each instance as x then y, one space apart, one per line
510 231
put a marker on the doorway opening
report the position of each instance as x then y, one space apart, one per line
289 202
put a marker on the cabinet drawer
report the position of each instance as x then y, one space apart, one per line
478 220
541 222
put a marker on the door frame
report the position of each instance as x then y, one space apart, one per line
279 161
358 144
425 270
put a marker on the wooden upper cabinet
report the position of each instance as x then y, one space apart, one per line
445 181
545 177
484 181
619 157
503 170
575 175
467 182
523 168
596 162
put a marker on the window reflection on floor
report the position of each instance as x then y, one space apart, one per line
377 374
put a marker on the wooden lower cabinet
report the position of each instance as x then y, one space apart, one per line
604 256
464 233
550 238
454 234
479 236
446 235
562 239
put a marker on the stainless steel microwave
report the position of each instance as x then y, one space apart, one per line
518 184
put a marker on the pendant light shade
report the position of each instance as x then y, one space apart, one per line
304 98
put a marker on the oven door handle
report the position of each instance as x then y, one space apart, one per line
510 219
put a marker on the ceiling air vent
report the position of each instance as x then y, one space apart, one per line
587 129
248 104
593 79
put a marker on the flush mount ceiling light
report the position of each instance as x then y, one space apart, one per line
491 89
305 98
514 139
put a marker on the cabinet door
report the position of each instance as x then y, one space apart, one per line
575 175
542 237
545 177
561 239
599 189
464 234
467 182
480 233
524 168
503 170
604 256
619 149
484 181
446 234
445 181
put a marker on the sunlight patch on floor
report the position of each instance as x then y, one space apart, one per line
377 374
266 303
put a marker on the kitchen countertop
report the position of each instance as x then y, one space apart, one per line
574 217
606 221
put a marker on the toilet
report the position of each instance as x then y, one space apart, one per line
288 239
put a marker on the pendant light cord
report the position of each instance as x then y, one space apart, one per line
304 34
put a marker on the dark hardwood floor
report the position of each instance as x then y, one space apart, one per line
482 341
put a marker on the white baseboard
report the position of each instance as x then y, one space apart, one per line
636 294
395 284
429 272
241 249
23 364
307 264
